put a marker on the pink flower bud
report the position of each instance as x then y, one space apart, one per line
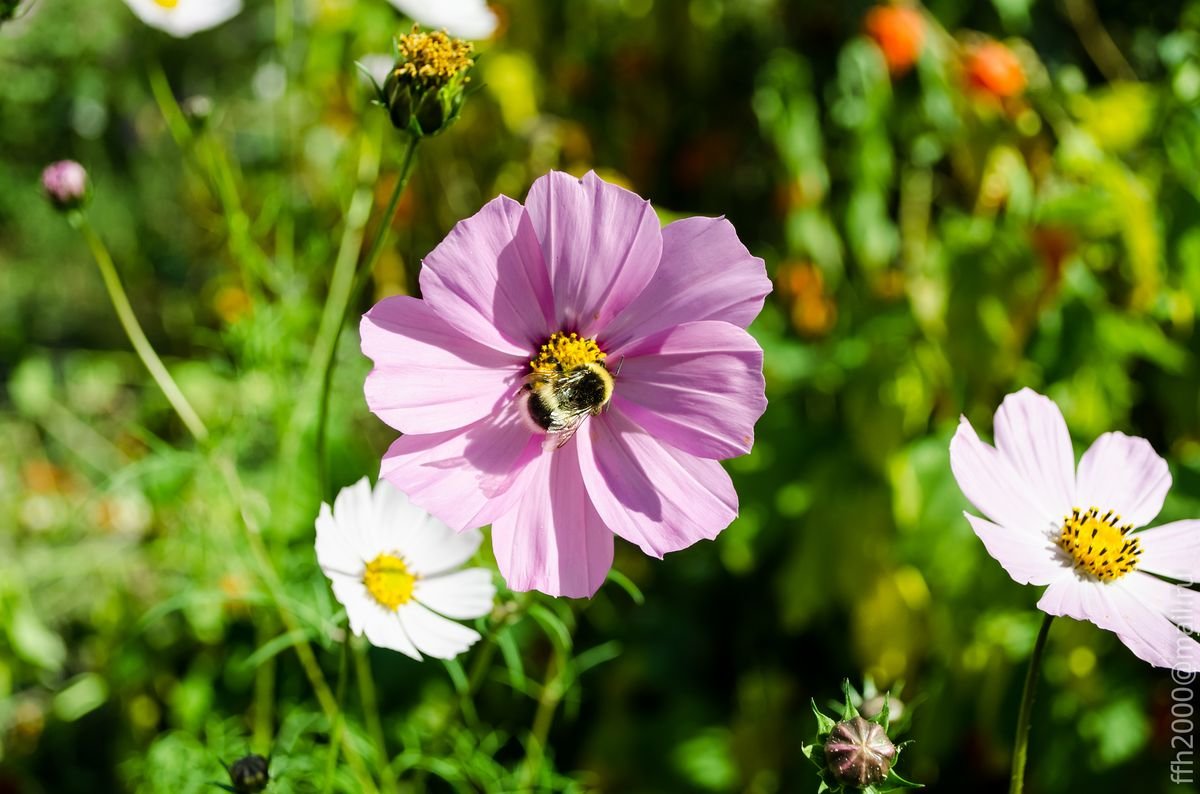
66 184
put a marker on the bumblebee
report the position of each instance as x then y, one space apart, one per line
569 383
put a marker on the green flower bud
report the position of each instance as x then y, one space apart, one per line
426 89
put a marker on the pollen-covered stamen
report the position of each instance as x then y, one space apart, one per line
1099 543
564 352
167 3
433 58
389 581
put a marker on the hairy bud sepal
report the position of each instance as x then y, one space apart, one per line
425 91
854 753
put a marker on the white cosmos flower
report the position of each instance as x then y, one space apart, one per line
182 18
396 570
1078 531
466 19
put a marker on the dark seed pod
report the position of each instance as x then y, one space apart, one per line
858 752
249 775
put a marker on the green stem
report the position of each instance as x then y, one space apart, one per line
344 299
160 87
335 735
548 701
370 706
1021 747
264 697
137 337
304 651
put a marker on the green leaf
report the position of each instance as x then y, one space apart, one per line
556 631
848 710
824 724
274 646
512 658
626 584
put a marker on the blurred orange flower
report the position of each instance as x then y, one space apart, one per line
900 33
992 68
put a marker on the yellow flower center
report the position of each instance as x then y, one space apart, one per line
388 581
432 57
166 3
1099 544
565 352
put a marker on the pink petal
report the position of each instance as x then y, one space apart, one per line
989 481
601 244
705 274
697 386
1028 557
1172 550
428 377
463 477
1124 474
651 494
488 280
1031 433
553 541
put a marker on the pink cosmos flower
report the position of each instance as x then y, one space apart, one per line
1078 531
573 371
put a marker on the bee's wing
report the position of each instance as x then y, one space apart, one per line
570 424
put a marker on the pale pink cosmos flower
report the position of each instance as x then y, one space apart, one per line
662 311
1078 531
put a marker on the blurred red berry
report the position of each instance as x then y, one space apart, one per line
900 33
992 68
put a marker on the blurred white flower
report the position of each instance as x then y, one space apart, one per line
395 569
466 19
182 18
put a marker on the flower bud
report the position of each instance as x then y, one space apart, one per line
426 89
855 753
859 752
249 775
65 184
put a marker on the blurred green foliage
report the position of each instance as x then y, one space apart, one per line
933 248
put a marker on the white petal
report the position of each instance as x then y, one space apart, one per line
187 16
462 594
1028 557
468 19
428 546
1114 607
384 630
1124 474
1032 435
353 513
336 553
1177 603
989 481
1171 550
359 605
433 634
